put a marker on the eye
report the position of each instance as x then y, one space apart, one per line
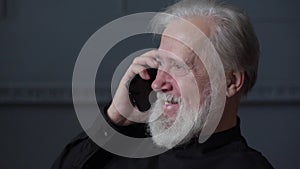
179 69
159 62
178 66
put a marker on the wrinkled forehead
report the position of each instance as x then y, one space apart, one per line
172 51
182 37
191 31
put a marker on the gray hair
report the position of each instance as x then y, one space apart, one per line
231 34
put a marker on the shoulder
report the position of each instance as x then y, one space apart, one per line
77 153
244 157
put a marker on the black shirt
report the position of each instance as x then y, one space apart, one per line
223 150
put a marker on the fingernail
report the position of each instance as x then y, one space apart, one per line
147 76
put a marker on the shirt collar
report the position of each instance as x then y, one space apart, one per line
215 140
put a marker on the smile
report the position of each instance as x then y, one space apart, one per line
171 105
171 99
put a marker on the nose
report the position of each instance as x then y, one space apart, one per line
162 82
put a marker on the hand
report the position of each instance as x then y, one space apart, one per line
121 111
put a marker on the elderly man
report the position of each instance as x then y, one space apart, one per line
184 93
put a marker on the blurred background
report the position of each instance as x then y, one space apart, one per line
40 41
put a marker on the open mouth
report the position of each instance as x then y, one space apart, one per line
171 100
171 105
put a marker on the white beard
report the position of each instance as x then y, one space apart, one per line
168 132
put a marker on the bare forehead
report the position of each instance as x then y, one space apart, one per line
181 37
176 54
175 51
189 29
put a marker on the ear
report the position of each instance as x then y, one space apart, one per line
235 81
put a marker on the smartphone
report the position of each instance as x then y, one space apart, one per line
140 89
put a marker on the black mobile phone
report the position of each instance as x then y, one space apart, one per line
140 89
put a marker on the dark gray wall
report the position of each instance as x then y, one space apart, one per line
39 44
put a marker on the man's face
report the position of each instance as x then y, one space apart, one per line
182 82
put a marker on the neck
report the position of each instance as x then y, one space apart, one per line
229 117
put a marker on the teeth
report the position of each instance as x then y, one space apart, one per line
170 99
176 100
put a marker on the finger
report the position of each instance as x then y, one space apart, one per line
140 64
146 62
148 59
145 74
134 70
141 70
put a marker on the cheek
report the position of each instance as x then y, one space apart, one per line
189 91
176 86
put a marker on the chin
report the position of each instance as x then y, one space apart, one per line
169 131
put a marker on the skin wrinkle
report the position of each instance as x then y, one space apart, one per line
191 114
199 73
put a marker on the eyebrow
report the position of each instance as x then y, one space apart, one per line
189 61
168 58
